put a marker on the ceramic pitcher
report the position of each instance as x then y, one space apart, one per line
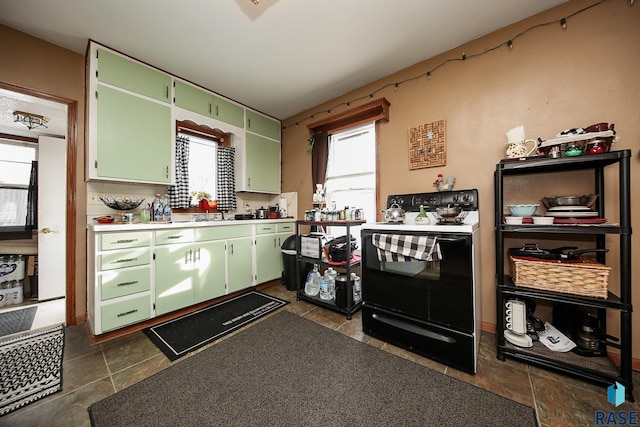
517 149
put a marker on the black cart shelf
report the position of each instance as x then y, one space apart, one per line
351 306
597 369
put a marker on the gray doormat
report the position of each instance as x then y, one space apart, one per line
15 321
289 371
31 367
180 336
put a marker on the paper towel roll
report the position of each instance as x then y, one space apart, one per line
282 205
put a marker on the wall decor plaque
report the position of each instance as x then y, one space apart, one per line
427 145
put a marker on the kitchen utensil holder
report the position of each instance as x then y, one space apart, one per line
583 277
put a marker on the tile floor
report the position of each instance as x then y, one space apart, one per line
91 373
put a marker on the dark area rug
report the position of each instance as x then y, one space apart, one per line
188 333
31 367
289 371
15 321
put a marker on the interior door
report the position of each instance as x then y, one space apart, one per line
52 231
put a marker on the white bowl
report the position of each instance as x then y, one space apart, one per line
513 220
543 220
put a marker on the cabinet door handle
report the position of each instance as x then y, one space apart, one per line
248 122
124 260
166 91
188 256
126 313
127 283
274 243
197 258
209 108
167 172
123 241
216 111
232 249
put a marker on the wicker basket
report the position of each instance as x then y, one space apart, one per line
583 277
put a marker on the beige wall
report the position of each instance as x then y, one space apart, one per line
34 64
552 79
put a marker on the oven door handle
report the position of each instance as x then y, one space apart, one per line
413 328
451 240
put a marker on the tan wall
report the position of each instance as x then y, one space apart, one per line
552 79
34 64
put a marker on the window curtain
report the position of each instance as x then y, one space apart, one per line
319 157
226 187
179 193
31 222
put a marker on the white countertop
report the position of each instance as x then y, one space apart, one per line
120 226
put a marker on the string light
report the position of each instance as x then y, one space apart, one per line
509 43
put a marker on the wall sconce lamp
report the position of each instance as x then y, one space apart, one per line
30 120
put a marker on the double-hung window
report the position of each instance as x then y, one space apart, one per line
351 173
16 164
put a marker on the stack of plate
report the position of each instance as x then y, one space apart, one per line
572 212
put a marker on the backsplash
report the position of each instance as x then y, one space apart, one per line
247 202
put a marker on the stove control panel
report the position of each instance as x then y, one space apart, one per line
466 199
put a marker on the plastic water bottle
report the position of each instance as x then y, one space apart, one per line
312 287
357 288
325 293
158 210
166 215
331 275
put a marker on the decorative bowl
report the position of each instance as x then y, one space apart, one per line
121 203
523 210
107 219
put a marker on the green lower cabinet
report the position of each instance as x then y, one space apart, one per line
125 312
174 277
269 256
209 270
239 269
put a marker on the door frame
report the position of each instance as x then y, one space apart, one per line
72 149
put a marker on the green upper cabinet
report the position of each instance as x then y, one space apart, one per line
262 163
193 99
205 103
263 125
133 138
228 112
127 74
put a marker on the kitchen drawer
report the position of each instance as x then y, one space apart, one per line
127 312
167 237
124 240
127 258
117 283
265 228
285 227
223 232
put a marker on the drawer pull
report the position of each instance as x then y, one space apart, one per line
117 242
124 260
175 237
127 283
126 313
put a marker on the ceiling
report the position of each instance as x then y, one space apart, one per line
280 56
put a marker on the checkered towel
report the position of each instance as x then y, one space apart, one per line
399 247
